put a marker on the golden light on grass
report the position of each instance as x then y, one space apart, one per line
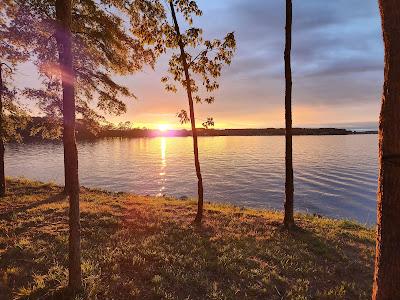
138 225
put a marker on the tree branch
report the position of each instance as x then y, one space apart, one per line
4 64
198 55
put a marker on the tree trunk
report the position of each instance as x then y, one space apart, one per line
2 173
67 176
64 17
289 186
200 191
2 148
387 261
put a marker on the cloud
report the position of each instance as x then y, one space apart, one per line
337 61
337 50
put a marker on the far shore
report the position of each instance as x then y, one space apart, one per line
92 131
224 132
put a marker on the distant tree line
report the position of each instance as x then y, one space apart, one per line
85 131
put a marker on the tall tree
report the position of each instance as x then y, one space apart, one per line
77 46
289 185
103 44
64 45
185 65
387 261
13 117
2 147
188 69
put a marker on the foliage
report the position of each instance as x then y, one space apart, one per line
143 248
103 45
125 125
204 67
14 115
208 123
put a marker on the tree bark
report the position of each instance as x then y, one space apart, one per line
2 148
64 43
200 190
387 260
289 186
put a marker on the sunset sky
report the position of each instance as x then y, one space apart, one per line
337 67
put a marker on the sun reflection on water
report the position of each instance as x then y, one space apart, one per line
163 179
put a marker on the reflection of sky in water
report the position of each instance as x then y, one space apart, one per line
334 175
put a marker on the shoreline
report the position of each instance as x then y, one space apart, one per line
187 199
89 132
147 133
143 133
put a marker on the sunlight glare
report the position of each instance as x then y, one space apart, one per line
163 127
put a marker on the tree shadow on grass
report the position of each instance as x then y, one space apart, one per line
34 253
154 253
20 188
51 199
317 265
238 265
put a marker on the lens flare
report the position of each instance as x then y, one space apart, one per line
163 127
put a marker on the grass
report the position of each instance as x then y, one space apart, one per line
137 247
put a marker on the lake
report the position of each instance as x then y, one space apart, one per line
335 176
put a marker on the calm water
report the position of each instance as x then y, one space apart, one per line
334 175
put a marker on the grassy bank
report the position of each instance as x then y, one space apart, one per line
144 248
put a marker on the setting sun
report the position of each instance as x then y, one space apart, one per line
163 127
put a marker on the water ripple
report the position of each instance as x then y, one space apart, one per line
334 175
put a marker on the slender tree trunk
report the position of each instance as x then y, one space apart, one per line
2 148
289 186
64 17
387 261
200 191
67 176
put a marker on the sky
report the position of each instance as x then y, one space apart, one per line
337 63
